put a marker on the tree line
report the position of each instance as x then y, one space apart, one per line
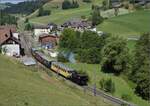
25 7
113 55
7 19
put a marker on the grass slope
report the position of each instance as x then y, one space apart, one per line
59 16
19 86
131 24
122 87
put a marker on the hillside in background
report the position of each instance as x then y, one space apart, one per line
132 24
24 7
24 86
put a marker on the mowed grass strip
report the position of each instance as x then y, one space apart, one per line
121 85
20 86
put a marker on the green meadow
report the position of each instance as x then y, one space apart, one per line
132 24
129 24
25 86
122 85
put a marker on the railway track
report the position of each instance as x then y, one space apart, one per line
108 97
97 92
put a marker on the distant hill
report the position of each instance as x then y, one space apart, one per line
26 7
132 24
24 86
3 6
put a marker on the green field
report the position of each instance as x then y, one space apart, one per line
131 24
59 16
121 85
23 86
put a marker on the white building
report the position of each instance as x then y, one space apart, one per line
39 30
11 49
9 41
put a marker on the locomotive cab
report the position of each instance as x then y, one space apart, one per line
80 79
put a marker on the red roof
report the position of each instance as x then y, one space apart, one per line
48 38
5 33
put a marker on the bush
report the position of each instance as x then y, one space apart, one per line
96 16
67 4
43 12
61 58
107 85
87 1
83 17
126 97
28 26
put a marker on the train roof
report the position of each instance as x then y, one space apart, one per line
63 66
43 56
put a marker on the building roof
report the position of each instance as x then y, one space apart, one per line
6 33
48 38
77 24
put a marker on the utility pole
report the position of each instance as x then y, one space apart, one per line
94 86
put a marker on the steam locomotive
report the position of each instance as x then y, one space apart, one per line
60 68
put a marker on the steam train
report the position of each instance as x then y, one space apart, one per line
60 68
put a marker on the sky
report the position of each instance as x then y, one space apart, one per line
12 1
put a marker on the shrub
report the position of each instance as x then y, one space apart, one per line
87 1
107 85
67 4
126 97
61 58
43 12
28 26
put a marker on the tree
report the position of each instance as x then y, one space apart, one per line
96 17
43 12
110 86
91 45
40 11
74 4
26 20
62 58
141 66
28 26
87 1
70 39
126 97
7 19
115 56
66 4
107 85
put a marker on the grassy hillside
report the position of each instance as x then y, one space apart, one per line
59 16
131 24
122 87
21 86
